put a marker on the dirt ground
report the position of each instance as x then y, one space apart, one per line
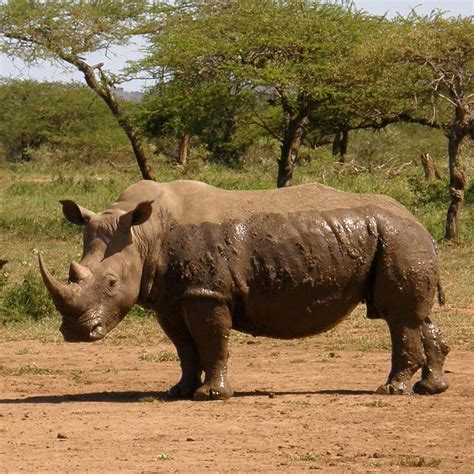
99 407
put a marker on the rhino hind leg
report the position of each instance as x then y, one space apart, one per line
176 330
209 321
408 356
436 349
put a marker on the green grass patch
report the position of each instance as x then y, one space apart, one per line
77 376
163 457
418 461
25 351
307 457
29 369
163 356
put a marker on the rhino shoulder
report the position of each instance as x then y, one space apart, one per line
144 190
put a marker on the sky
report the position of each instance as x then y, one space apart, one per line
117 59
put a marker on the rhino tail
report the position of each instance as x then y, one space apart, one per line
441 294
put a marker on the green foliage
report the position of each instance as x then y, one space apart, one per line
50 29
66 31
28 299
70 119
213 111
438 54
298 66
297 54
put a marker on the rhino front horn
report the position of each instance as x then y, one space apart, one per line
63 295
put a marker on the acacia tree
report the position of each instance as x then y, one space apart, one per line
380 90
298 53
65 31
446 56
204 109
163 115
437 54
188 99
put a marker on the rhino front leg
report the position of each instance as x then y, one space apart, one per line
210 322
176 329
436 349
407 357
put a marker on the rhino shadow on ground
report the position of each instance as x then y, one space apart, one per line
142 397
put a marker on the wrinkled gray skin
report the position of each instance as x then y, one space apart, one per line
284 263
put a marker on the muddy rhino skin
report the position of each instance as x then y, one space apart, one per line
284 263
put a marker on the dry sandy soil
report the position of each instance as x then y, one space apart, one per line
103 407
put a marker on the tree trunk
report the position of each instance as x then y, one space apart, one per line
101 87
222 150
340 143
429 166
230 128
289 149
336 144
457 185
344 143
183 150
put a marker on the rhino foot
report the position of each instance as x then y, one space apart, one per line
393 389
209 392
183 390
430 386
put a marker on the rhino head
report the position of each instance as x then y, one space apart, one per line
105 284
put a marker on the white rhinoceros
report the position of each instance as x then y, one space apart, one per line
284 263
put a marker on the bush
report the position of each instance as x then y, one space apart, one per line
26 299
44 121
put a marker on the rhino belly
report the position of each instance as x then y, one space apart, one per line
301 312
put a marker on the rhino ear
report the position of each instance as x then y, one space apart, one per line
137 216
76 214
142 212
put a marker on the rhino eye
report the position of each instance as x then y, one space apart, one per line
111 281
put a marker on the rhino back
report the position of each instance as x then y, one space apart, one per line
194 202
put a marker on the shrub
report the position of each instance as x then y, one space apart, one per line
26 299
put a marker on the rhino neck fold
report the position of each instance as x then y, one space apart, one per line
150 239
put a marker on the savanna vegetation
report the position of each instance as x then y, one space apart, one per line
244 95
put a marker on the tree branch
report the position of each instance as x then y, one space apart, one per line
263 125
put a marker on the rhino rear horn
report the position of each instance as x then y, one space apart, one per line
78 272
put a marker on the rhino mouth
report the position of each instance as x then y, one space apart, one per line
83 331
98 331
